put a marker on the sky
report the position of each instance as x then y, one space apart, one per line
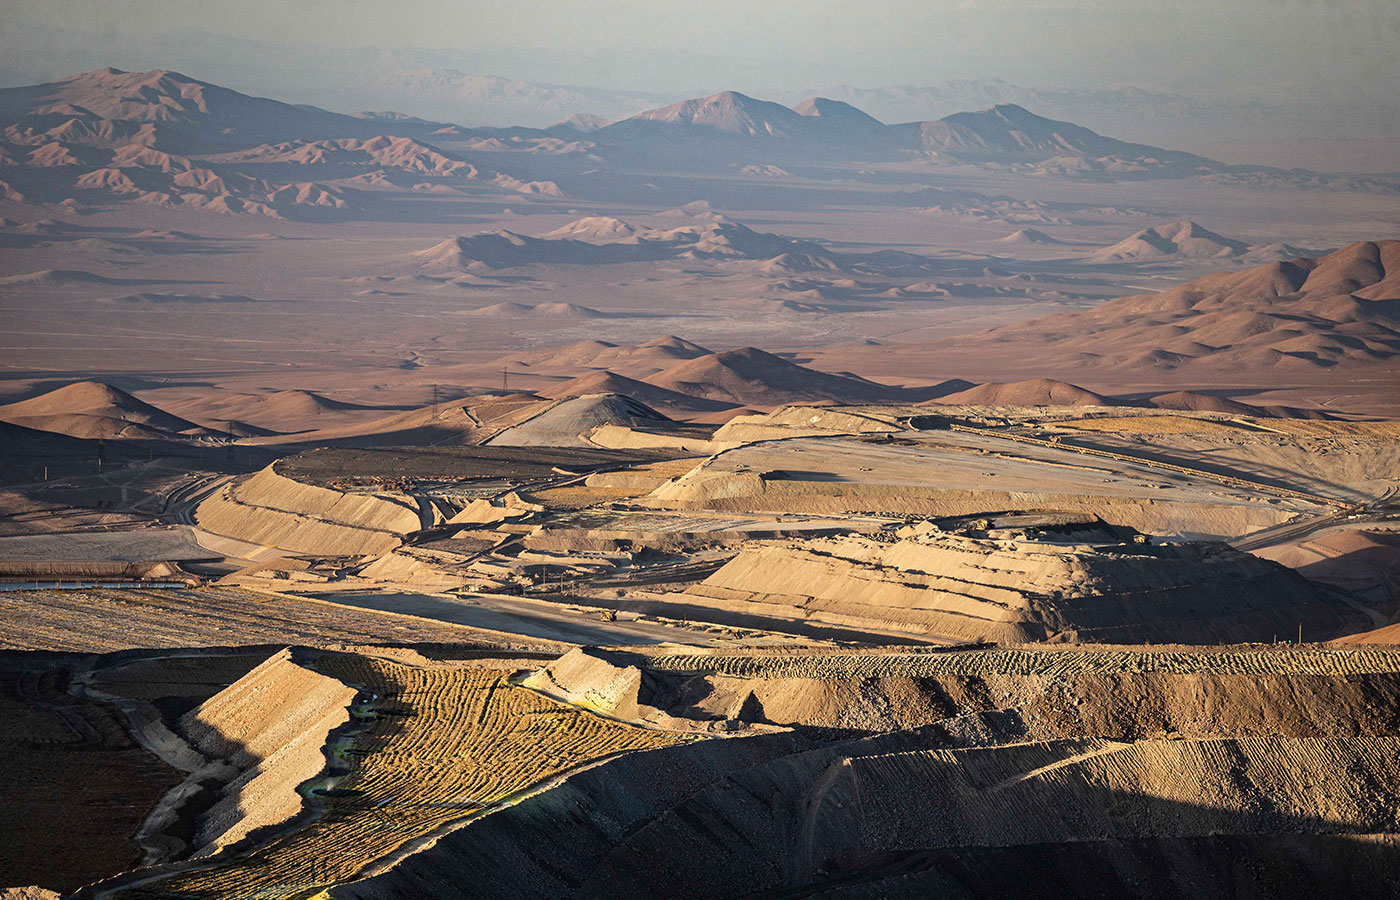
1275 50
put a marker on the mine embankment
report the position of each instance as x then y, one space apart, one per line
1012 586
935 474
916 765
1348 461
101 621
268 730
272 509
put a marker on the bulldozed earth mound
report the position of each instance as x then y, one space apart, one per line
268 729
271 509
1015 586
567 422
1157 772
799 421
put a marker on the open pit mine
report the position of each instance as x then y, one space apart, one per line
585 650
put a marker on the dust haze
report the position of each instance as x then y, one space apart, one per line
603 451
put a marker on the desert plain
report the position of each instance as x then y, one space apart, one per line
734 499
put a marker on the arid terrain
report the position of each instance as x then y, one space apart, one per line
731 499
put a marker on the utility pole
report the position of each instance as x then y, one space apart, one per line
504 388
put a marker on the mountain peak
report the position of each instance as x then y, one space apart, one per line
835 110
727 111
583 123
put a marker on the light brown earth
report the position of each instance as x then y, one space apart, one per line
1064 755
445 743
416 411
1010 587
270 727
101 621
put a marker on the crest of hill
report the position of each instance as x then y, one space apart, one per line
396 152
91 409
56 276
537 311
605 382
1180 240
1003 135
1029 236
1010 133
21 447
502 249
469 420
582 123
626 359
1193 401
280 410
605 229
728 112
826 127
837 112
1032 392
603 240
748 376
1342 309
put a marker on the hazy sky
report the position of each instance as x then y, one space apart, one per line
1275 49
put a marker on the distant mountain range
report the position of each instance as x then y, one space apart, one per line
165 139
1005 136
